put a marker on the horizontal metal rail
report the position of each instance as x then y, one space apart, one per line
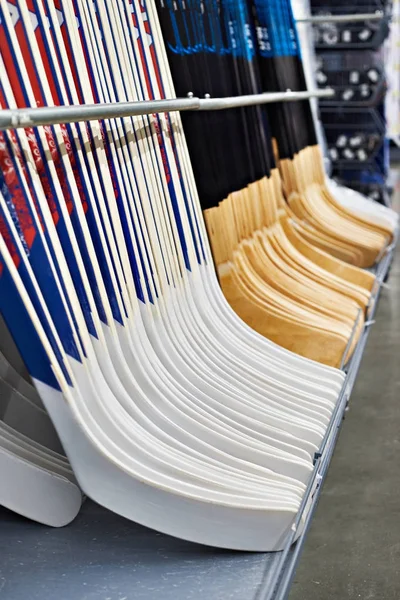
266 98
52 115
351 18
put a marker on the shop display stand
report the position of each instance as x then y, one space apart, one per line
101 556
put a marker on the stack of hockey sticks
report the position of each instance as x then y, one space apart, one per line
267 247
37 480
345 223
172 411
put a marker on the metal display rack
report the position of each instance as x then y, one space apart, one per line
101 556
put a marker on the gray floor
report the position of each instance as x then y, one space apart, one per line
353 548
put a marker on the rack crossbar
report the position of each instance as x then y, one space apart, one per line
351 18
52 115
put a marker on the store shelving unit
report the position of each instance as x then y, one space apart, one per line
102 556
348 43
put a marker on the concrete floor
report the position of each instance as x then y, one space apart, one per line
353 548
